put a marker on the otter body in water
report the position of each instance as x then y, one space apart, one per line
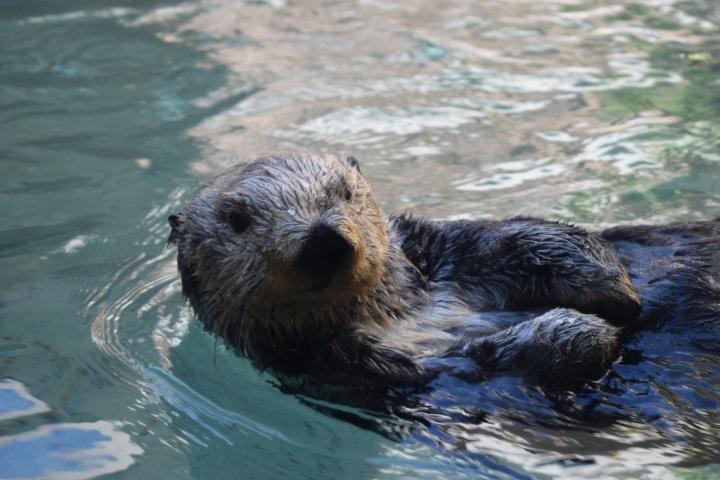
290 261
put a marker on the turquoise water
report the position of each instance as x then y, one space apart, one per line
112 113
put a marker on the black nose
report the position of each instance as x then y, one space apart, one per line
325 252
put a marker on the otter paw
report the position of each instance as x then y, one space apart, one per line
562 347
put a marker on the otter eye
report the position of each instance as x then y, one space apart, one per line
348 194
354 163
239 221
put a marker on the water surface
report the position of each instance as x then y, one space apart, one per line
112 113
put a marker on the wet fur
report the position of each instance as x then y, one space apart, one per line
421 294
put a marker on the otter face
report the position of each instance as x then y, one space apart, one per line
284 229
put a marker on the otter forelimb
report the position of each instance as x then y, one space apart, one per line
553 349
522 263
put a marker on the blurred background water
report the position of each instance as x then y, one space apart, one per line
112 113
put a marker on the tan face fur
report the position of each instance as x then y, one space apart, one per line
254 237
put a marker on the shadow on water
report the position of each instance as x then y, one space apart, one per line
109 113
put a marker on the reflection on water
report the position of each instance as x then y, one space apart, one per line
67 450
59 450
16 401
596 113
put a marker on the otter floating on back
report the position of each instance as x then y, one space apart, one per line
289 259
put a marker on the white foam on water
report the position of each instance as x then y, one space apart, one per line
75 244
513 174
557 137
353 126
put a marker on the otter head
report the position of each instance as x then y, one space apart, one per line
284 233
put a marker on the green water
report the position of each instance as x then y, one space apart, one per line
112 113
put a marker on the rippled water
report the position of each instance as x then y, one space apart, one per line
112 113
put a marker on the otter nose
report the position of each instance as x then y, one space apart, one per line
325 252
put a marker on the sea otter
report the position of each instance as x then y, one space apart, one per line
289 259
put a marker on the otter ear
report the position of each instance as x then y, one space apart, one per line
353 162
175 224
